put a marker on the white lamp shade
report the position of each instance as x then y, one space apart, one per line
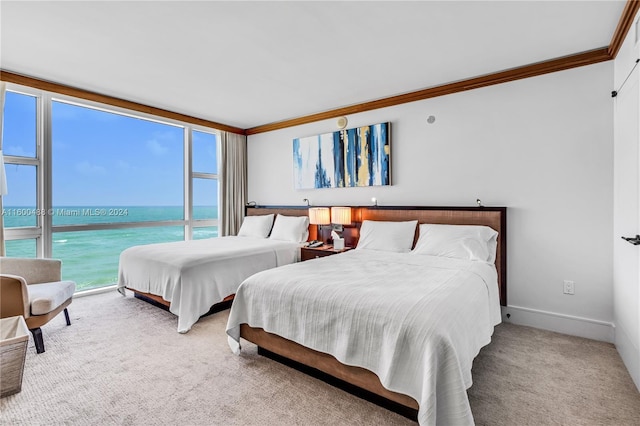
319 216
341 215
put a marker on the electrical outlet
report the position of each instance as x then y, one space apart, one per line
569 287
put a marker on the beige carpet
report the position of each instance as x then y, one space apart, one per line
122 362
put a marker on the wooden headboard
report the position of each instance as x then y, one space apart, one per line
494 217
283 210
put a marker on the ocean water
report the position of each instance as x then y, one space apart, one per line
90 258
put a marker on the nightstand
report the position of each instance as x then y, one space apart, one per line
307 253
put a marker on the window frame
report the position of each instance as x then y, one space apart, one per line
31 232
44 229
202 223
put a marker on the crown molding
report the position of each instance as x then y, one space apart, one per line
624 25
75 92
559 64
532 70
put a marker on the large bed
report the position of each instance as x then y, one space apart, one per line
191 277
404 326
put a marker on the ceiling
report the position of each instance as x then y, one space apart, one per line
246 64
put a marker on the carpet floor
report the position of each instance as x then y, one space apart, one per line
121 362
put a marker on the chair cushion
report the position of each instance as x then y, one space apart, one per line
46 297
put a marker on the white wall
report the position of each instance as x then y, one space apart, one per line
626 266
541 147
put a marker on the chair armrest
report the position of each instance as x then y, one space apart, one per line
14 298
34 271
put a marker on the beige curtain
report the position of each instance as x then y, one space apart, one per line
3 89
233 182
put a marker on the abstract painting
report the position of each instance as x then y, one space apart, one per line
346 158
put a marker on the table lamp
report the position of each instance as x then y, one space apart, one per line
319 216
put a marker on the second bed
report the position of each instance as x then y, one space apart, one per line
189 277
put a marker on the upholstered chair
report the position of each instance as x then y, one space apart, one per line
34 289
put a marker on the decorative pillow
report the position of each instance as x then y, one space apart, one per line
291 228
387 236
256 226
472 242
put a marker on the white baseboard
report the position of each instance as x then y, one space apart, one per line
561 323
629 353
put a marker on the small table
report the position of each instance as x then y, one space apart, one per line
307 253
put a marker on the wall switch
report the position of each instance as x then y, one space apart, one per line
569 287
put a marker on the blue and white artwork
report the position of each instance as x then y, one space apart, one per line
346 158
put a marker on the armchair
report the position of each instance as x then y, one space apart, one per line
34 289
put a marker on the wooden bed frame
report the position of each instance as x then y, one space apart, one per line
164 304
360 378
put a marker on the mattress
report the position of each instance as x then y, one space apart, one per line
416 321
194 275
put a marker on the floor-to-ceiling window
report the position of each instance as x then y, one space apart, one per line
86 181
21 134
204 180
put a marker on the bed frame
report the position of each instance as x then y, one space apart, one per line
360 381
164 304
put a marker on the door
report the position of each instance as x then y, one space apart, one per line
626 222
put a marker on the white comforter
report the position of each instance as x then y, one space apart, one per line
416 321
194 275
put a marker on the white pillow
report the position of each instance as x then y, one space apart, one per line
256 226
472 242
291 228
387 236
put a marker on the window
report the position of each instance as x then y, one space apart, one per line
205 154
19 205
21 248
205 185
87 181
22 212
109 167
20 125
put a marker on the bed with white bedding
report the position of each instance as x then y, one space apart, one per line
189 277
416 320
195 275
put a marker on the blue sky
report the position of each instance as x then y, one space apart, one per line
104 159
